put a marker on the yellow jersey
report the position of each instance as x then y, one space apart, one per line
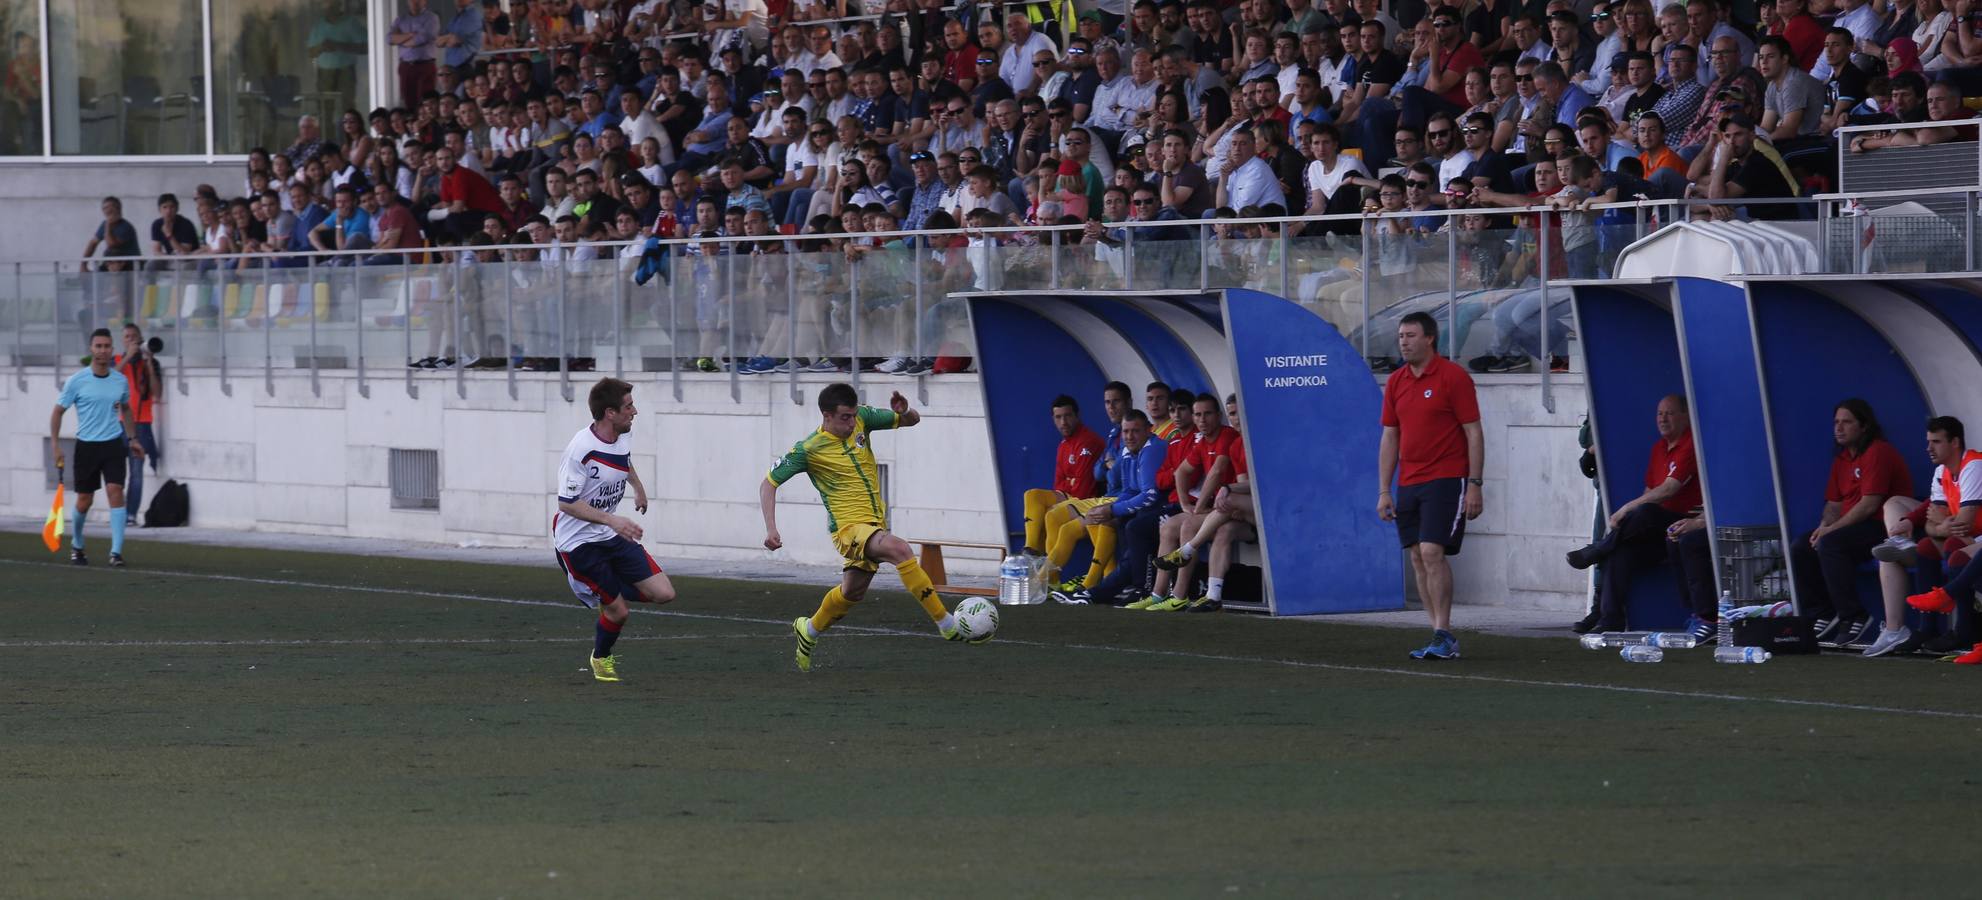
843 471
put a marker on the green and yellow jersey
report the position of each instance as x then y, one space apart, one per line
843 471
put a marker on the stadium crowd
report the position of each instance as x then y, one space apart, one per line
565 125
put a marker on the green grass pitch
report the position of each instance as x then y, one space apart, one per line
223 722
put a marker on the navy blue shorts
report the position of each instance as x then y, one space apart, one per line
1432 513
602 570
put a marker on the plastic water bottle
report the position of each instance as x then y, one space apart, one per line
1724 631
1730 654
1014 581
1641 653
1612 639
1036 576
1671 640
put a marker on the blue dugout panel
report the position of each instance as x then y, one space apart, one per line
1308 402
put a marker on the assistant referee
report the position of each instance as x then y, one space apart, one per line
105 437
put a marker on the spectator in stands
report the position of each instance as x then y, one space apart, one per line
1682 97
117 237
1804 33
309 141
1865 471
1664 169
414 34
1943 105
709 136
1845 88
1377 71
171 233
464 198
1431 424
1739 167
308 215
1328 175
347 228
1635 535
1945 524
1249 180
1793 104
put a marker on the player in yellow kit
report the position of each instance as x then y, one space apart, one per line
840 463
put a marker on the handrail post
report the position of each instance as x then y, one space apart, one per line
674 315
452 270
1548 386
406 321
178 326
1363 268
853 321
729 338
791 324
310 305
509 323
916 260
1128 257
1451 289
220 325
20 330
268 327
564 357
1052 257
619 300
358 316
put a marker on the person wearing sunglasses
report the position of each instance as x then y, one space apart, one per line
1451 56
1054 78
991 87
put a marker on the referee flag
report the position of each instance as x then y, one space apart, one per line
56 526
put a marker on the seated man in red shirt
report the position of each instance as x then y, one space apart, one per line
1636 540
1865 470
465 197
1230 521
1945 523
1073 472
1207 467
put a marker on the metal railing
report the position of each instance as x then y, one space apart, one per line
1490 278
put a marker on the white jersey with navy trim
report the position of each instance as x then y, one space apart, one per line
594 473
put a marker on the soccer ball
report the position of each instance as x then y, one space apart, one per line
977 619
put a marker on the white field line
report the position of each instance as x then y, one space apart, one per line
1424 672
385 643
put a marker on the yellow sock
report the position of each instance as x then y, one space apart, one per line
1037 502
1055 518
924 590
831 610
1070 535
1103 537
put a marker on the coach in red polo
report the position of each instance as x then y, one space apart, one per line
1636 539
1431 424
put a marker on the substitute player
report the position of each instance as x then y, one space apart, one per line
599 551
840 463
1073 473
104 439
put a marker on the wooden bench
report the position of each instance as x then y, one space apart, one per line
931 558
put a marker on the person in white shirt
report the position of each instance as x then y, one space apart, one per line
1329 170
639 124
1122 98
599 551
1022 45
1249 181
818 53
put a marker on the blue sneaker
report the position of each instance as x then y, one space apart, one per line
757 365
1703 631
1443 646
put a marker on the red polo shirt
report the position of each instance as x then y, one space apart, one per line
1180 447
1073 466
1878 470
1205 453
1676 461
464 184
1428 410
1462 59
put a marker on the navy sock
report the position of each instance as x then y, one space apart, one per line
606 635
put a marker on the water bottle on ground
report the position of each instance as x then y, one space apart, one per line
1671 640
1641 653
1731 654
1036 575
1612 639
1014 581
1724 632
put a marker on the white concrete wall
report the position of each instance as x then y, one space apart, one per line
302 463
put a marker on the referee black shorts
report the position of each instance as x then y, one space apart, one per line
98 463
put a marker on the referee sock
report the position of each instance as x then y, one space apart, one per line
924 590
76 529
116 532
606 635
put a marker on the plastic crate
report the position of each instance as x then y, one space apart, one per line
1753 566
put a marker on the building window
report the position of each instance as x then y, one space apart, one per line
20 80
125 77
278 60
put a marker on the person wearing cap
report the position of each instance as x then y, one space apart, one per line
1022 46
1741 167
927 195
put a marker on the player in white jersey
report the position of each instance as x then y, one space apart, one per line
600 551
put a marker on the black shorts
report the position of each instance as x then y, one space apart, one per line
99 463
600 571
1432 513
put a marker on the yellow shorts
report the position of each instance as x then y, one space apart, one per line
1083 507
851 541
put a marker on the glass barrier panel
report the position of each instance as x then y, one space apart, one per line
886 307
1326 278
943 329
1165 257
818 314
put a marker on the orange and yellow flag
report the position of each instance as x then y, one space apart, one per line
57 524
